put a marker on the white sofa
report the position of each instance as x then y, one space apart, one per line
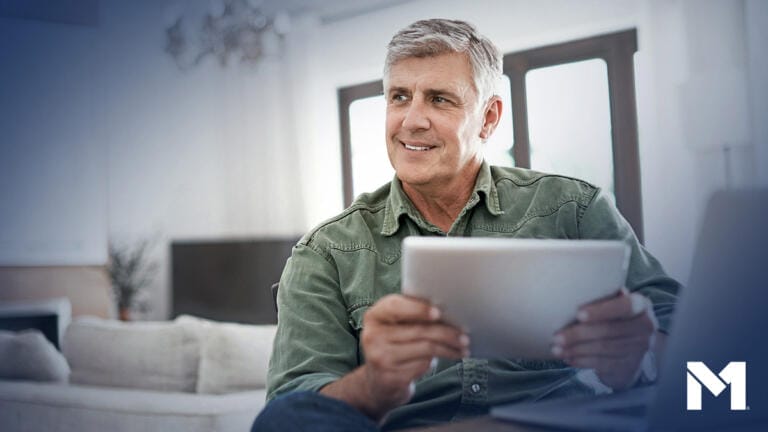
187 375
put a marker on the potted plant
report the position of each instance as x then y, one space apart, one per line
130 272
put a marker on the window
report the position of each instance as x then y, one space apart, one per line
569 121
370 163
368 101
617 51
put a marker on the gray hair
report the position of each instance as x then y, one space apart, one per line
433 37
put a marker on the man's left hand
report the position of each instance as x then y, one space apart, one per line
610 336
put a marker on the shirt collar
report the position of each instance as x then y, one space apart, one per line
399 204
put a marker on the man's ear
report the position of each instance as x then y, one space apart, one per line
491 117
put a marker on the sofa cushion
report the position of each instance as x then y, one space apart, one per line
28 355
144 355
234 357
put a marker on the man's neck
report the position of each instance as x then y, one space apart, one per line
442 205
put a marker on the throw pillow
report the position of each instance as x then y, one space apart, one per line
234 357
144 355
28 355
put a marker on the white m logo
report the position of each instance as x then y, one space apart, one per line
734 374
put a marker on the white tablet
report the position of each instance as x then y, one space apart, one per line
512 295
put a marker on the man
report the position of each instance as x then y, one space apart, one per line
351 353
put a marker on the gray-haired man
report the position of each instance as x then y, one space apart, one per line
352 353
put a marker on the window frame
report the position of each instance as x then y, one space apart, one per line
346 96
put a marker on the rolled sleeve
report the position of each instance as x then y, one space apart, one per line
314 344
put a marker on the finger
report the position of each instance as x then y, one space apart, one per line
605 348
440 333
396 308
385 355
414 369
405 374
639 326
388 339
424 351
623 305
397 382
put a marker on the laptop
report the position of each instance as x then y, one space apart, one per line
490 285
714 374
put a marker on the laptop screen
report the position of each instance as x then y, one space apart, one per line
715 370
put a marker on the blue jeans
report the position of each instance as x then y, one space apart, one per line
311 411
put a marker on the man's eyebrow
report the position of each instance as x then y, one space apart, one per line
443 92
397 90
429 92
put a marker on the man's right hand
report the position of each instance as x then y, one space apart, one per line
401 335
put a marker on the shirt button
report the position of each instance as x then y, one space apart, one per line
475 388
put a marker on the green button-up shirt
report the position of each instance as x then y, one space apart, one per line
342 267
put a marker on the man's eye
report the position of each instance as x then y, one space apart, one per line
439 99
399 98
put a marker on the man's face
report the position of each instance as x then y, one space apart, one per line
433 121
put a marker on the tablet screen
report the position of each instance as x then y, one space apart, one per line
512 295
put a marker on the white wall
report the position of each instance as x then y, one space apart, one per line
678 174
201 154
106 139
51 157
756 16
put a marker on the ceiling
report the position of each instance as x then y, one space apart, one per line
330 10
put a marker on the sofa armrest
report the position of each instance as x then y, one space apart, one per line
50 316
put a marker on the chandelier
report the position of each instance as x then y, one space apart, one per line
237 29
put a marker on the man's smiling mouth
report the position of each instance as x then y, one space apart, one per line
417 148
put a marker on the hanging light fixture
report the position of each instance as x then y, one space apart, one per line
231 29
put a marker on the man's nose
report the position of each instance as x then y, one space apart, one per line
416 117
